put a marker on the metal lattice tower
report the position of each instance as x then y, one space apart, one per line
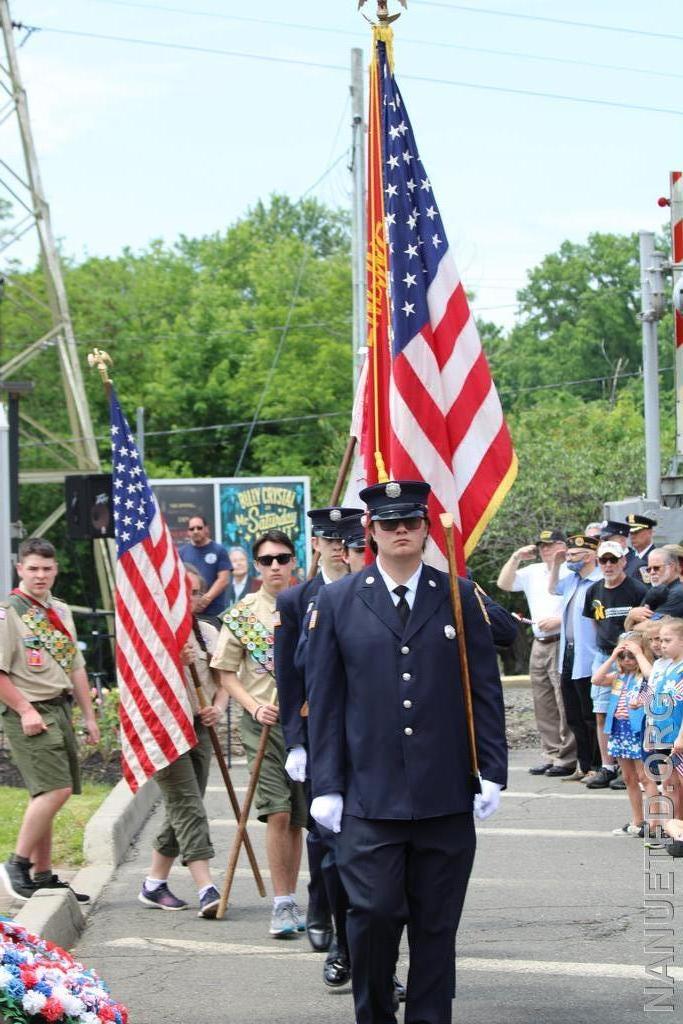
21 184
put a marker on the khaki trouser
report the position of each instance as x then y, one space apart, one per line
185 829
557 740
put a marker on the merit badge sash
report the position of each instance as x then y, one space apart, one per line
256 638
44 636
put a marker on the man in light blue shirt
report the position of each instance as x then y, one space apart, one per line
578 646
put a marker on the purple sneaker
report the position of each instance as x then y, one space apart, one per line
208 904
161 898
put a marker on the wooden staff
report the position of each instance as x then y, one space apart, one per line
242 824
456 604
232 796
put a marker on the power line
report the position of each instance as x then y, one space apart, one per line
320 65
550 21
305 27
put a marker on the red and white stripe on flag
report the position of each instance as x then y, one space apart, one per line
676 185
153 618
153 622
426 406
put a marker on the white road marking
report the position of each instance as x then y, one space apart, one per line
507 966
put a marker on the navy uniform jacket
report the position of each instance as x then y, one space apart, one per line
386 721
633 564
291 605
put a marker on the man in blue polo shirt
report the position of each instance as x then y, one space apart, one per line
212 563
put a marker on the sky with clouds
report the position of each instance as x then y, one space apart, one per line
527 125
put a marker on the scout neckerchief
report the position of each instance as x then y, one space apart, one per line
47 629
256 638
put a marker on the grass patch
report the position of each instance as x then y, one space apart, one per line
68 826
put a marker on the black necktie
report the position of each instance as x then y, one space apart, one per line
403 608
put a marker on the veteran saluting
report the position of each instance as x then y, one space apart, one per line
390 762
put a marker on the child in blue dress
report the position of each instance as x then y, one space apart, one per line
667 703
624 672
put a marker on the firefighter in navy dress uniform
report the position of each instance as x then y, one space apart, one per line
389 754
291 609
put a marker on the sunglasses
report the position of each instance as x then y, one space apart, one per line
608 560
390 525
193 529
268 560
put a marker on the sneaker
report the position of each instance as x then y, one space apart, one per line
589 776
162 898
300 919
561 771
632 831
56 883
17 880
283 921
208 904
617 783
602 779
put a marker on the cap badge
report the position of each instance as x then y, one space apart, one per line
545 534
335 515
578 542
393 490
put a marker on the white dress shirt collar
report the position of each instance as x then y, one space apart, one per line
411 584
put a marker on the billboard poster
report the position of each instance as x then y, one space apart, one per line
249 508
179 501
238 509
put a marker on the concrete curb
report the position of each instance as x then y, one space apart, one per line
58 916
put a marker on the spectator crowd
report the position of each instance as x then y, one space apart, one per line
606 664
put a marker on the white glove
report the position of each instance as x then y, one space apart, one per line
295 765
486 803
327 811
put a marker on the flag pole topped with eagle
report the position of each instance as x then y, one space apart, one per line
426 407
153 612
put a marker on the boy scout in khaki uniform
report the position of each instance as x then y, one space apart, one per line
244 657
41 667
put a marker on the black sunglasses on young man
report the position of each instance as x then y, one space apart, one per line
268 560
608 559
389 525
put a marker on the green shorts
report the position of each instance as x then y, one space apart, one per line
49 760
275 791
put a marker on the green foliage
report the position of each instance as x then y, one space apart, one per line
68 827
207 332
106 704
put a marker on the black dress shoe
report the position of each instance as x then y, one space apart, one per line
337 972
558 770
399 990
541 769
319 935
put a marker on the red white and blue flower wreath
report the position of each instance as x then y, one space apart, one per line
40 982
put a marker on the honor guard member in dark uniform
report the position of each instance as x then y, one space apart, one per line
621 533
642 537
291 608
390 762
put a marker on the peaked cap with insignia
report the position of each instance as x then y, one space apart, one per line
580 540
397 499
637 522
326 522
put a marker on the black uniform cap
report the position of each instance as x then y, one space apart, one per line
397 499
326 521
353 532
638 522
580 540
610 528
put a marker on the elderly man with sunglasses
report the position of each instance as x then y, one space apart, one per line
244 657
608 601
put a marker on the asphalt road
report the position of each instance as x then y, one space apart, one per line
554 930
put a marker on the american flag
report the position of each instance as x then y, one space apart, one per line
426 406
153 618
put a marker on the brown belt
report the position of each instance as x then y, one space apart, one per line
547 639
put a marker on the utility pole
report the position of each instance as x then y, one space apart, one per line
652 310
80 453
358 237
